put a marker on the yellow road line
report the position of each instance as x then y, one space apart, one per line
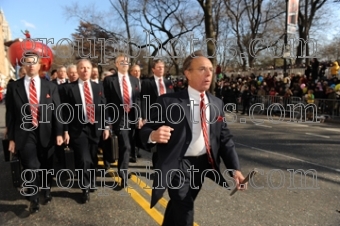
148 190
155 214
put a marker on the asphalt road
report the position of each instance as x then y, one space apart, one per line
276 196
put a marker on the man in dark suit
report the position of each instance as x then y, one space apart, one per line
152 88
84 130
33 126
122 90
61 76
61 81
135 72
187 141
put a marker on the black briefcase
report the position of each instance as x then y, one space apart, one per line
15 170
69 159
5 145
114 149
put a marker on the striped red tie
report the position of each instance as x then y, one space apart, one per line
161 87
126 95
34 103
205 130
89 104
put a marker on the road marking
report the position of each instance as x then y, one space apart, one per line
298 124
331 129
154 213
263 125
287 156
317 135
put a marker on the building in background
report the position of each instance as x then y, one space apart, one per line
6 69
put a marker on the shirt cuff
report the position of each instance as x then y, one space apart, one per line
150 141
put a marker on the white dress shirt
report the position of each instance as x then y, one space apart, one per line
120 77
60 81
95 80
37 84
197 145
157 84
82 95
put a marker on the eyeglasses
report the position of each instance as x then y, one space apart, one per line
203 69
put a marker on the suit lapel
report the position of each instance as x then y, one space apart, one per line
95 92
76 92
185 103
212 117
154 86
167 84
43 91
117 87
22 91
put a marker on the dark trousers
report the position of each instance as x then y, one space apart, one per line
180 208
33 157
85 154
126 143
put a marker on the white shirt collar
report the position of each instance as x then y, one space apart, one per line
120 75
157 78
82 81
28 78
196 95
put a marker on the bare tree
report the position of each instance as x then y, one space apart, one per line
166 21
307 12
251 22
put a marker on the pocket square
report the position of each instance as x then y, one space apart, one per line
48 96
219 119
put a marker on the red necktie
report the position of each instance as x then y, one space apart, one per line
89 104
126 95
205 130
33 103
161 87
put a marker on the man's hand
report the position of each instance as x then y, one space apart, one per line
106 134
162 134
66 138
140 123
59 140
239 178
11 146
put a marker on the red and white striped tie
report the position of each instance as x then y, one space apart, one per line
161 87
33 99
126 95
205 130
89 104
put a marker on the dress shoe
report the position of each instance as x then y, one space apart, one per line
48 197
34 206
85 197
133 159
123 183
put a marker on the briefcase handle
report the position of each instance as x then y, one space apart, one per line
67 148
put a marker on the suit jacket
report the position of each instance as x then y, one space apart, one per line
114 96
149 88
16 120
171 154
71 95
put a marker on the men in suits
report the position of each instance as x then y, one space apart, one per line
190 142
152 88
135 72
60 81
61 76
33 126
84 130
122 90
